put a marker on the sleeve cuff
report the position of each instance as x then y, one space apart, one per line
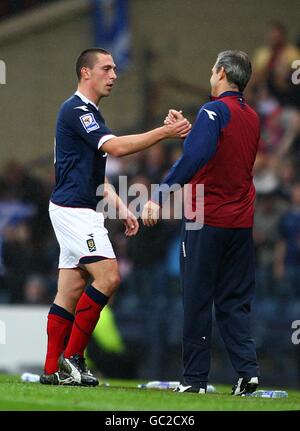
104 139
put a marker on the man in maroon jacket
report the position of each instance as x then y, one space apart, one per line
217 261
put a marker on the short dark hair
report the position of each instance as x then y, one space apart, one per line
88 58
237 67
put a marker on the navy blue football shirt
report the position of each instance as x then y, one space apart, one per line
79 161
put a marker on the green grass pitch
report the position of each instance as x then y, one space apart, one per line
124 395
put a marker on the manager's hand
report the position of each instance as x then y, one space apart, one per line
150 213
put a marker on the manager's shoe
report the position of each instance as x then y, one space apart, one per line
245 386
76 367
57 378
189 388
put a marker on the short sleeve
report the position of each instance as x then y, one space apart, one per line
88 125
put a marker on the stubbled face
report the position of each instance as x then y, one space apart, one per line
102 76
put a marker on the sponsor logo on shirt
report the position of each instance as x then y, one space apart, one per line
211 114
83 108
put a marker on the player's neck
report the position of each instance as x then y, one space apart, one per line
89 94
222 89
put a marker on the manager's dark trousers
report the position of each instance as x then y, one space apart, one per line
217 266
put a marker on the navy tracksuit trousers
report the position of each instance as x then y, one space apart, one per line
217 267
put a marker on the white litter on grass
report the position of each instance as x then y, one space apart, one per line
29 377
169 385
155 384
210 389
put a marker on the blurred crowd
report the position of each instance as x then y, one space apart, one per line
148 304
28 252
274 92
12 7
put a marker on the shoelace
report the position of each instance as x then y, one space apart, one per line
80 361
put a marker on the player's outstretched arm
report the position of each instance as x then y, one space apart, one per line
124 145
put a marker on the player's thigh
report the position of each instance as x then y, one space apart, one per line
105 273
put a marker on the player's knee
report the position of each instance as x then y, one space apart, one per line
108 285
114 281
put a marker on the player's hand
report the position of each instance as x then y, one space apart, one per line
173 116
179 129
150 213
131 223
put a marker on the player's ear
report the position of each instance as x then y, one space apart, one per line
222 73
85 72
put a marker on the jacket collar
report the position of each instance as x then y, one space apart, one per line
228 94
